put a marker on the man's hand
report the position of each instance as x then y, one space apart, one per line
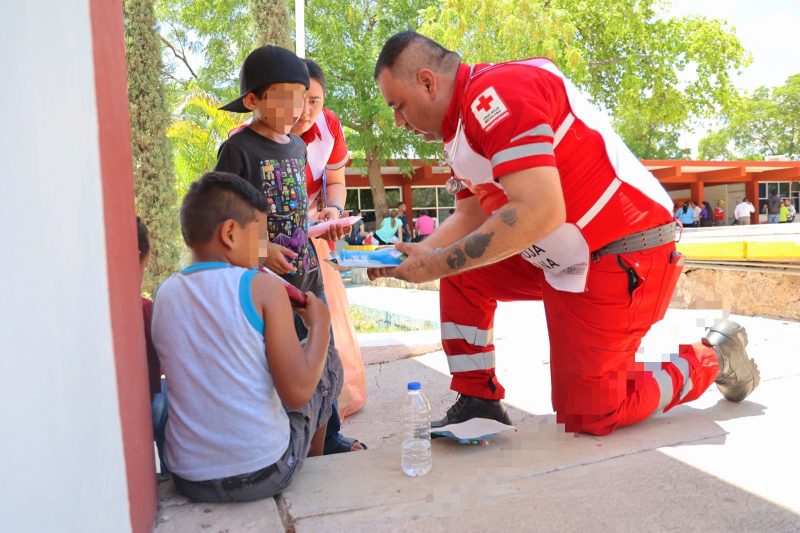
413 267
276 259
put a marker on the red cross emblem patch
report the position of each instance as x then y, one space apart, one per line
489 109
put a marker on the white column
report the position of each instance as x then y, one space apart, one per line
61 446
300 28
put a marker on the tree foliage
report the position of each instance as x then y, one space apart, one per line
655 75
152 159
196 136
271 22
767 122
345 38
206 42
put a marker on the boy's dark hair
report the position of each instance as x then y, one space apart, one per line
143 237
315 73
435 54
215 198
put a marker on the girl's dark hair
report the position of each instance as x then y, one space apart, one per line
315 72
215 198
144 238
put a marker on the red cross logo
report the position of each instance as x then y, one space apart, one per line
483 103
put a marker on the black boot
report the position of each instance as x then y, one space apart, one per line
468 407
738 374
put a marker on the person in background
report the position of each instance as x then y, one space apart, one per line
696 209
403 216
706 215
391 229
783 216
742 212
686 215
719 213
423 226
791 210
158 385
357 231
773 207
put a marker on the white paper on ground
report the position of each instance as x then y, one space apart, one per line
473 429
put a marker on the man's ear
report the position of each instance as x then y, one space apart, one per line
227 233
427 79
250 101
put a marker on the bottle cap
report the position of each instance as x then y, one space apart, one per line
414 385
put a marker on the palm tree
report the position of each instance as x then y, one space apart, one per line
196 137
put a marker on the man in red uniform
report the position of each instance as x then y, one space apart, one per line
553 207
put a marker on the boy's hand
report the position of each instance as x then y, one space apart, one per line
276 259
315 313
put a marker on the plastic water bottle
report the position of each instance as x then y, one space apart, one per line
416 459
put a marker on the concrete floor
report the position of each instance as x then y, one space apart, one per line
711 465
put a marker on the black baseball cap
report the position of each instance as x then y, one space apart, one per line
266 66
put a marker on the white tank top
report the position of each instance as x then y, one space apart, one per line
225 417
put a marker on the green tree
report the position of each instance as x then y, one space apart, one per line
765 123
152 159
655 75
206 42
196 136
345 38
271 22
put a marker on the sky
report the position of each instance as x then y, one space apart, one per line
768 29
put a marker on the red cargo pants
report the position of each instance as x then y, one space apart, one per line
597 385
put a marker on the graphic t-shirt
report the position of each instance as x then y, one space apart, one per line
279 171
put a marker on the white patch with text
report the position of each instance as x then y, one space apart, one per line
489 109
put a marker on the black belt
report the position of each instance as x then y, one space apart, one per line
643 240
239 482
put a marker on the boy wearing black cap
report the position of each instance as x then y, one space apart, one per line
273 82
272 85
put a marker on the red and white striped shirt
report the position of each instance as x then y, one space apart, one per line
327 150
525 114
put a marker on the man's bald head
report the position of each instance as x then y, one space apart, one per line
405 53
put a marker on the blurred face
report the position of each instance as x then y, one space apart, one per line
279 107
312 107
414 103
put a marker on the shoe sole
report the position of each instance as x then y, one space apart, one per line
734 332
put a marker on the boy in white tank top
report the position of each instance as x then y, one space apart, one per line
248 402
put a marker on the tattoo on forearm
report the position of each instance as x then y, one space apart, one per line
509 217
456 259
476 245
